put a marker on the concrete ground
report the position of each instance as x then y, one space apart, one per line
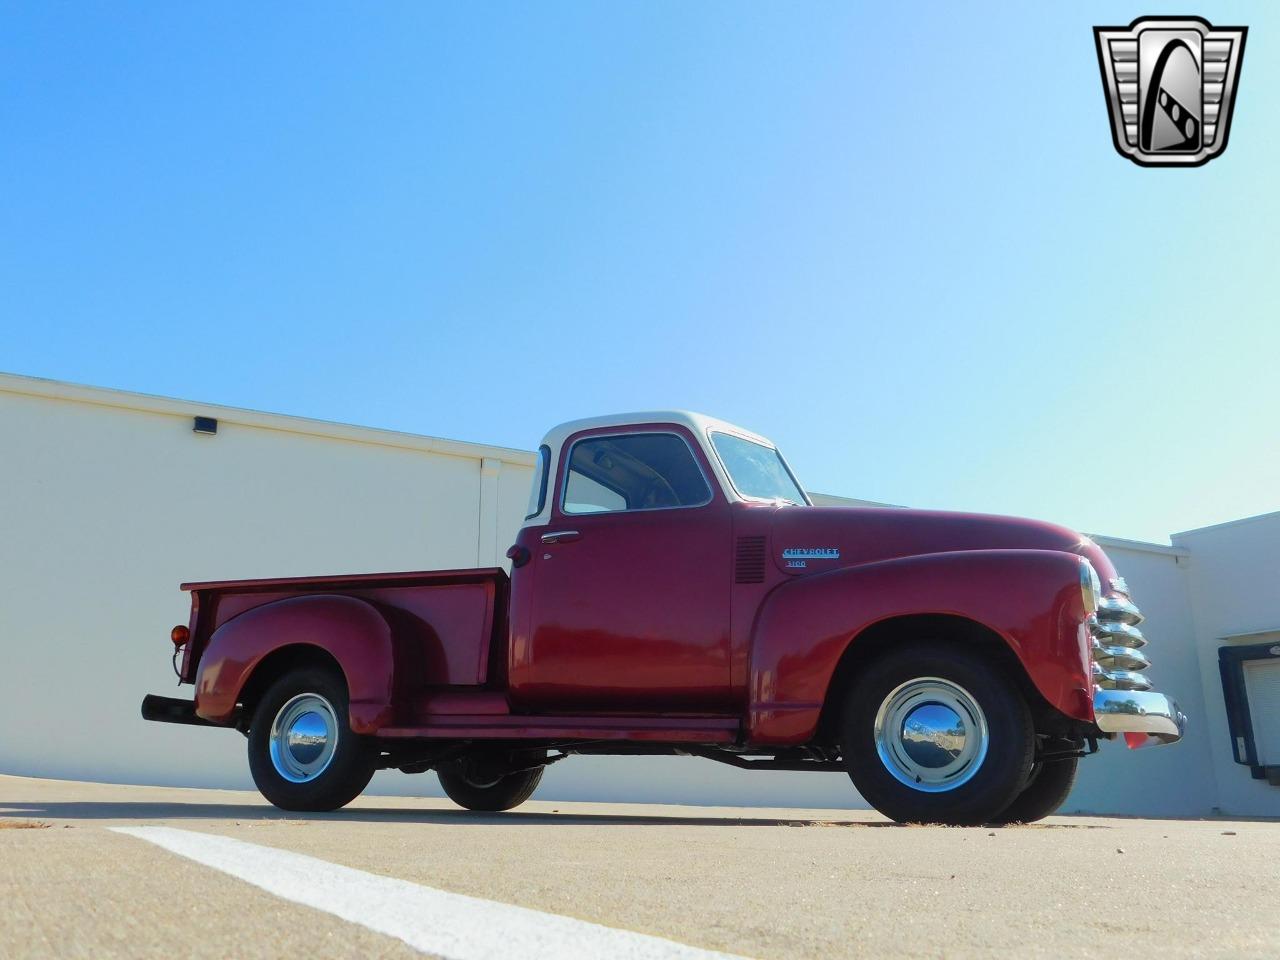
760 883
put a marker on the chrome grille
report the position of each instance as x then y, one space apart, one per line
1117 662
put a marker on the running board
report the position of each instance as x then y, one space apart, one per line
796 764
647 729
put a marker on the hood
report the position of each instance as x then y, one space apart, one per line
815 539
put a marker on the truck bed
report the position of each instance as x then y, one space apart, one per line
451 618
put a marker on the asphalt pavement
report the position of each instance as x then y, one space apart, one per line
762 883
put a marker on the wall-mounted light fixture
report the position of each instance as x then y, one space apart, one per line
207 425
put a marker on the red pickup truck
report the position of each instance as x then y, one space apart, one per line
674 591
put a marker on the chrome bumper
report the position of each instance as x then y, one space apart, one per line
1123 701
1145 718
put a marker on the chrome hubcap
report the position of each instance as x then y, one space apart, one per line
931 735
304 735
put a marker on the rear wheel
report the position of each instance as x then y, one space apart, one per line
488 782
302 752
1050 784
934 733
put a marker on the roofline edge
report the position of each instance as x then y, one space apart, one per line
285 423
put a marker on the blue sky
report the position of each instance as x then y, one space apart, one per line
895 238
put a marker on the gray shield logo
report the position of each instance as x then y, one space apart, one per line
1170 84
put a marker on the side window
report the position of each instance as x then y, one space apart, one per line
584 495
538 492
638 471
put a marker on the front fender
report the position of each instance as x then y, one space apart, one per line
1030 598
351 631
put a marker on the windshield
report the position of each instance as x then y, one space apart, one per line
756 470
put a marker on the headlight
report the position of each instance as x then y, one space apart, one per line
1090 587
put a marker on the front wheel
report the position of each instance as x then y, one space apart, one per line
302 752
934 733
1047 791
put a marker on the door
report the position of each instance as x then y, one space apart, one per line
1262 689
629 610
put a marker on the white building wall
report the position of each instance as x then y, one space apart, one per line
108 501
1235 599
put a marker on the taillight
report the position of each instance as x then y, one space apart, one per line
179 635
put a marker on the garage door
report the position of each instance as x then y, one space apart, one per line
1262 683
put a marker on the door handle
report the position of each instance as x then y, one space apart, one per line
560 536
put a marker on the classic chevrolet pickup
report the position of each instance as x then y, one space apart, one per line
674 591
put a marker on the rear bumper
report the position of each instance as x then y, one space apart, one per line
1146 718
170 710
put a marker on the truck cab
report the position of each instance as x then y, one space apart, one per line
623 579
674 590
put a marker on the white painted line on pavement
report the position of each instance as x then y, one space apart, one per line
449 925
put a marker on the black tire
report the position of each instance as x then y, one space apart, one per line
350 766
460 782
1050 784
989 782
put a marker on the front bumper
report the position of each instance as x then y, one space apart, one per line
1123 701
1144 717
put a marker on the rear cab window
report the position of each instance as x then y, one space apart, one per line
538 491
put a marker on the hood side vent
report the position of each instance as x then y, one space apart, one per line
749 561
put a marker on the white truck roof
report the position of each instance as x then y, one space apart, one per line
697 423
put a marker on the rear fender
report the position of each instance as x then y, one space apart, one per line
1030 598
351 631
